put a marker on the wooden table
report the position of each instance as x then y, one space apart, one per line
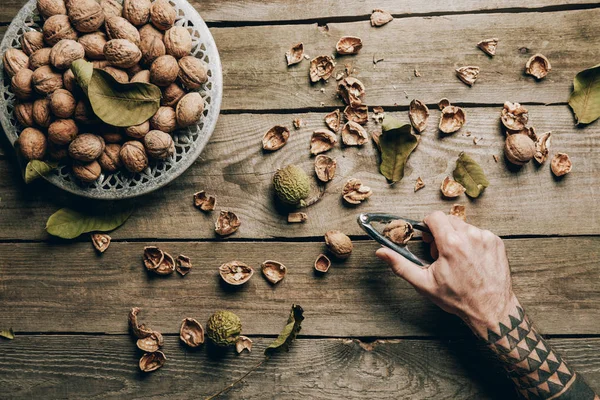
367 334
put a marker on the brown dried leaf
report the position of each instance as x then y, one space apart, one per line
297 217
399 231
354 135
349 45
452 119
191 332
450 188
139 330
468 74
227 223
418 114
514 117
295 54
243 343
321 68
488 46
153 257
274 271
538 66
542 147
325 167
419 184
167 265
443 103
561 164
204 202
184 265
358 114
236 272
380 17
459 211
334 120
322 140
150 343
322 263
351 90
354 192
152 361
275 138
101 241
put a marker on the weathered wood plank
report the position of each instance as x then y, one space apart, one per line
234 168
67 288
105 367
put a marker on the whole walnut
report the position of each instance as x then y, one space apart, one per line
84 113
338 243
42 115
46 80
32 41
87 172
93 45
62 131
137 11
56 28
62 103
131 71
40 58
138 131
193 72
519 149
56 152
164 70
162 14
24 114
112 137
32 144
85 15
86 147
69 81
119 75
164 120
22 85
178 42
159 145
149 30
171 95
99 64
122 53
48 8
151 47
189 109
65 52
133 156
120 28
111 8
110 160
142 76
15 60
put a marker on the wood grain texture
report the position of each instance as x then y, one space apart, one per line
235 169
68 288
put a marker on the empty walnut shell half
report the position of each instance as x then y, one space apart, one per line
322 263
399 231
274 271
101 241
166 266
184 265
227 223
354 135
243 343
354 192
139 330
295 54
358 114
275 138
150 343
338 243
334 120
321 68
452 119
488 46
325 167
514 117
191 332
418 113
443 103
380 17
153 257
204 201
236 272
322 140
297 217
458 210
450 188
351 90
542 147
561 164
468 74
349 45
152 361
419 184
538 66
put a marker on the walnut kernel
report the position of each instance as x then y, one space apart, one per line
542 147
354 192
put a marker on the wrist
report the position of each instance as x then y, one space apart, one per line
494 314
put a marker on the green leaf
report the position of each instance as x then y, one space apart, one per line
585 99
83 73
469 174
396 143
36 169
289 333
68 224
122 104
9 334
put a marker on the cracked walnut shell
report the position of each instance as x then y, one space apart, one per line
349 45
450 188
354 135
468 74
243 343
150 343
153 256
418 113
542 147
325 167
134 156
334 120
519 149
184 265
561 164
193 72
274 271
191 333
275 138
101 241
297 217
159 145
204 202
358 114
338 243
399 231
459 210
322 263
138 330
236 272
514 117
354 192
152 361
321 68
227 223
295 54
452 119
380 17
538 66
322 140
351 90
488 46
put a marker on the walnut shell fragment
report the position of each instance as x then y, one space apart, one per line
321 68
152 361
561 164
275 138
354 135
354 192
542 147
298 123
358 114
297 217
101 241
538 66
166 266
243 343
153 257
399 231
380 17
443 103
450 188
295 54
419 184
322 140
514 117
488 46
204 202
325 167
468 74
274 271
191 332
139 330
334 120
351 90
227 223
378 114
349 45
418 113
458 210
322 263
150 343
452 119
339 244
236 273
184 265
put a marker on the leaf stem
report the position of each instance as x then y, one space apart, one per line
232 384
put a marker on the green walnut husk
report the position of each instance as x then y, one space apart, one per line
292 185
223 328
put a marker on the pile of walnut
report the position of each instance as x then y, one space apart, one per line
133 42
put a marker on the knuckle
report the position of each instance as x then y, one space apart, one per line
488 236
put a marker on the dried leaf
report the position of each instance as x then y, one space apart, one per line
295 54
396 142
68 224
82 70
36 169
7 334
469 174
289 333
585 99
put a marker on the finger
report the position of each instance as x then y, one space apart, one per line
439 225
427 237
407 270
433 250
458 223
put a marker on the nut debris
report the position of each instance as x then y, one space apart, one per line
380 17
468 74
295 54
322 263
153 257
321 68
488 46
150 343
399 231
542 147
227 223
325 167
519 149
419 184
100 241
275 138
358 114
236 272
139 330
334 120
459 211
538 66
349 45
191 332
298 123
243 343
322 140
450 188
184 265
452 119
443 103
418 113
152 361
297 217
166 266
514 117
378 114
351 90
417 73
561 164
354 135
354 192
204 202
339 244
274 271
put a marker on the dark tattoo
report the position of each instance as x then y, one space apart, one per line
537 371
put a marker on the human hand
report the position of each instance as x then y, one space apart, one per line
470 276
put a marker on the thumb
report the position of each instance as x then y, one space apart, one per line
407 270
